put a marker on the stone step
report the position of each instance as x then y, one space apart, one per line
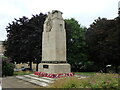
40 79
40 83
33 75
43 77
52 79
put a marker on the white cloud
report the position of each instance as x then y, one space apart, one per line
85 11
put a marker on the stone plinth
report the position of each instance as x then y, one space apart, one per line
54 68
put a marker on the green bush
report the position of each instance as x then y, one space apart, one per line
7 68
105 81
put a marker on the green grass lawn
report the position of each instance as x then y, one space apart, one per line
85 73
23 72
96 80
104 81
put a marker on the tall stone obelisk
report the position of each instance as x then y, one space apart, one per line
54 45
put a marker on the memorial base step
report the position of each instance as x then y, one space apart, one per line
34 79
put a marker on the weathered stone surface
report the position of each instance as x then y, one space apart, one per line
13 82
55 68
43 77
54 38
54 45
35 80
2 49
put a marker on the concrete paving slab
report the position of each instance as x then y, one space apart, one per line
40 83
8 82
40 79
48 78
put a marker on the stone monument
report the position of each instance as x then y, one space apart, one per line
54 45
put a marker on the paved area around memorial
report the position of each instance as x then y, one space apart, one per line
0 83
13 82
29 81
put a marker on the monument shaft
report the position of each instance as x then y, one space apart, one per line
54 45
54 38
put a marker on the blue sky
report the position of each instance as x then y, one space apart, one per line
84 11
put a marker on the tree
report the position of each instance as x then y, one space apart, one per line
24 39
76 46
115 37
36 22
102 38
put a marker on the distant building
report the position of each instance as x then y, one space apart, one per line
1 54
1 48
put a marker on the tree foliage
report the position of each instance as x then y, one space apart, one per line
76 45
24 39
102 38
98 45
24 43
